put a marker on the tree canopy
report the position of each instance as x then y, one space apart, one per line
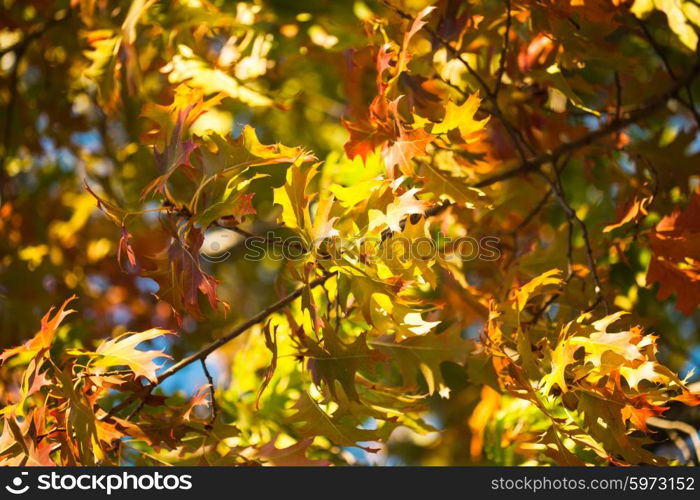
442 232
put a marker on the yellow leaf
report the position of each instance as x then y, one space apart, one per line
534 286
323 225
600 342
122 351
293 198
415 323
462 117
406 204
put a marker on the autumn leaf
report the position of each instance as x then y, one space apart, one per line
480 418
105 64
188 104
122 351
601 341
365 137
444 184
683 281
18 442
424 355
632 211
675 265
336 361
323 223
462 118
43 339
178 272
291 456
396 211
340 427
293 197
401 151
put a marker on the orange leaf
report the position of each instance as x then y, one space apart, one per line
44 337
634 210
483 413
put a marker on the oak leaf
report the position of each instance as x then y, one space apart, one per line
122 351
44 337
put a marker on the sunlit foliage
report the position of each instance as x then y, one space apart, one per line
321 233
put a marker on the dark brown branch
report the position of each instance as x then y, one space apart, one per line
22 44
213 346
55 430
651 107
618 101
105 374
513 233
531 215
661 54
212 392
504 52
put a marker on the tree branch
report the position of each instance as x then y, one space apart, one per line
22 44
202 354
504 52
690 103
213 346
212 392
651 107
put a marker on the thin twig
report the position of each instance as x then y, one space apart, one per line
618 101
504 52
22 44
661 54
105 374
138 408
513 233
573 218
531 215
212 392
55 430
